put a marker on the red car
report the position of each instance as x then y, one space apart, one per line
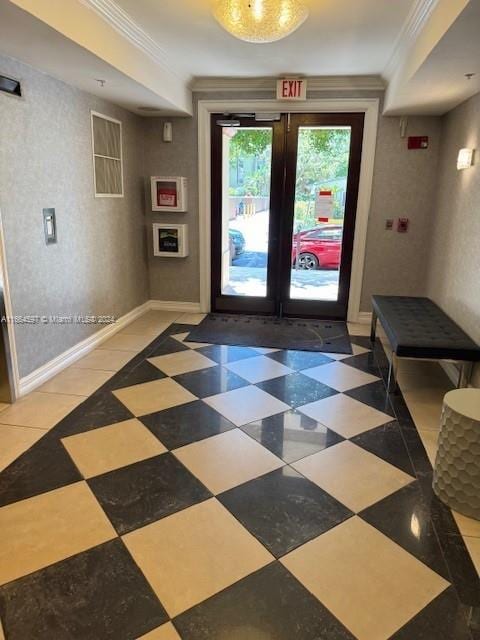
318 248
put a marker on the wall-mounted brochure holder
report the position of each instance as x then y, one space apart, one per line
170 240
169 193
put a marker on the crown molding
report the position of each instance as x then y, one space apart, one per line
416 20
124 24
323 83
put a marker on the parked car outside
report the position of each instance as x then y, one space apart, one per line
238 240
318 248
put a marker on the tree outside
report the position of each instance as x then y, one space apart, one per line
322 163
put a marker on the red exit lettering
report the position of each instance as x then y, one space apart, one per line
291 89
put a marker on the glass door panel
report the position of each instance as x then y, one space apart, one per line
246 179
322 172
284 199
323 155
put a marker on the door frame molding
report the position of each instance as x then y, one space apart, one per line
368 106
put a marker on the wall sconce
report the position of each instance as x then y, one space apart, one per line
465 159
167 132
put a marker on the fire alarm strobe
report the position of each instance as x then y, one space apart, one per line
418 142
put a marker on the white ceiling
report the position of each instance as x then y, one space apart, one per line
152 52
37 44
440 83
351 37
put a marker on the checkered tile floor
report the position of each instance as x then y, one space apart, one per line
215 492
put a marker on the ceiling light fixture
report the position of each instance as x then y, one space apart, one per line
260 21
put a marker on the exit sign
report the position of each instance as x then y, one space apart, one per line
291 89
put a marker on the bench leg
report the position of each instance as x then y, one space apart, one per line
464 375
373 327
392 385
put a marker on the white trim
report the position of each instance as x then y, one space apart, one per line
451 369
124 24
38 377
369 106
268 83
167 305
417 18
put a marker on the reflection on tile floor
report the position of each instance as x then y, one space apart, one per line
204 492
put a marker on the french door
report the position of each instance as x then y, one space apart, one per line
284 198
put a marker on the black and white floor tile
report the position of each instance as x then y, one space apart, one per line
209 492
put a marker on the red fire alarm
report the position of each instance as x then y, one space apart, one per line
418 142
402 225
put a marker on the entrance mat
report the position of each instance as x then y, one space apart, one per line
264 331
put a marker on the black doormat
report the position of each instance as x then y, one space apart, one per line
264 331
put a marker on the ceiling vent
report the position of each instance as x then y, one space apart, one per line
10 86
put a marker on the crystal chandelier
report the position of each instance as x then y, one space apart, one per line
260 21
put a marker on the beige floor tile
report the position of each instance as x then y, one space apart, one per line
357 351
77 382
245 405
193 554
173 364
104 360
258 369
3 405
165 632
111 447
127 342
143 328
425 405
340 376
227 460
352 475
473 546
468 526
416 373
345 415
191 318
367 581
359 329
14 441
152 322
40 410
50 527
181 337
429 439
142 399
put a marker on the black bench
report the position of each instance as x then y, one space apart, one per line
418 328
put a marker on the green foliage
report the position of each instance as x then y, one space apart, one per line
250 142
322 162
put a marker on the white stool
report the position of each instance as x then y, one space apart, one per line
456 477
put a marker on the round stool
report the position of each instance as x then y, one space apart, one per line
456 477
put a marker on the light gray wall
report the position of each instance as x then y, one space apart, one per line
99 265
404 186
454 265
172 278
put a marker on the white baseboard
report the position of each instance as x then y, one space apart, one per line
171 305
41 375
451 369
